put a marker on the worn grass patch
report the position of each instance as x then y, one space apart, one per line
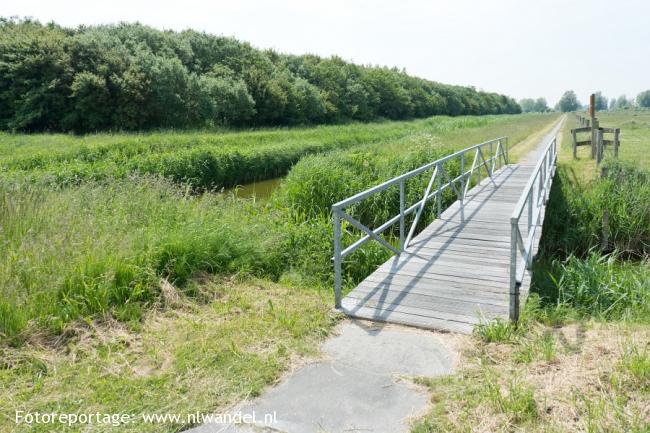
192 358
585 377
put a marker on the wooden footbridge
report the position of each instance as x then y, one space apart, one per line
471 264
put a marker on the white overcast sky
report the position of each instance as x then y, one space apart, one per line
520 48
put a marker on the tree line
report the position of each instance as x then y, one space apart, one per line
529 105
569 102
134 77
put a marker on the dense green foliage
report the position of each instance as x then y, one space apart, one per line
643 99
127 235
621 103
133 77
600 101
568 102
596 239
608 214
602 286
538 105
200 160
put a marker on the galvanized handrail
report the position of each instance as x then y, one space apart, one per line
534 198
439 172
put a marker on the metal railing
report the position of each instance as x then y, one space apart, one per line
485 155
533 198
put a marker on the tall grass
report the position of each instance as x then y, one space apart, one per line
200 160
608 213
601 286
102 249
596 243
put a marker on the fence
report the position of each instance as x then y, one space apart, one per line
597 139
533 198
485 155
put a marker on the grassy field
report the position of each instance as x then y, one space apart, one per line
202 159
139 293
579 361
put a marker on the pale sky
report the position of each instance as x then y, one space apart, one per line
520 48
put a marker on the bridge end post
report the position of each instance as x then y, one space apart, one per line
514 285
337 257
402 219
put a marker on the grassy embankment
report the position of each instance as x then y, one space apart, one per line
131 293
580 359
201 160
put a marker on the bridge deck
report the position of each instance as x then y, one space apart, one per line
455 273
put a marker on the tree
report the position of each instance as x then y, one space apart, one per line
527 105
91 102
130 76
541 106
623 103
643 99
568 102
226 101
600 101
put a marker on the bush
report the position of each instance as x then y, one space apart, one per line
575 221
604 287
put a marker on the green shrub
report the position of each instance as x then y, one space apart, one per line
604 287
101 249
607 214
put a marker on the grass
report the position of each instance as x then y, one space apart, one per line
202 357
200 159
589 377
103 250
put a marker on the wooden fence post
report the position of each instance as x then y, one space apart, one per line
617 131
599 146
594 138
575 143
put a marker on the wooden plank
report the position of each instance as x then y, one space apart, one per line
368 287
446 272
468 280
459 257
412 320
384 300
430 266
471 318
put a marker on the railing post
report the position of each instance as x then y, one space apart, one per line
529 199
439 193
491 156
514 286
541 183
337 257
402 205
478 166
462 177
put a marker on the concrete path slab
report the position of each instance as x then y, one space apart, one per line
362 386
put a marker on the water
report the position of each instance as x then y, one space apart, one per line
260 190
